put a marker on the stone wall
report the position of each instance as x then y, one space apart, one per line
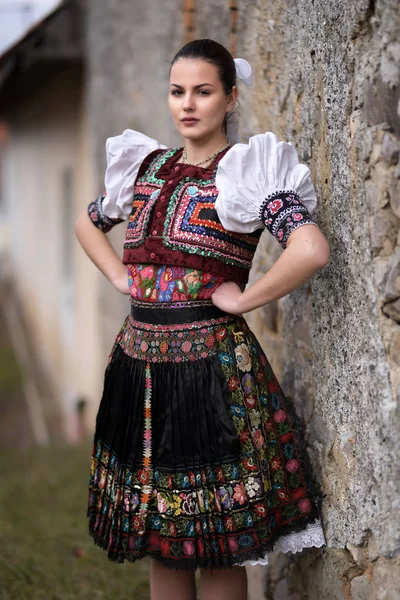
327 79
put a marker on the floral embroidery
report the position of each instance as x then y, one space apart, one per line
161 283
233 383
247 382
165 283
176 343
243 357
274 206
97 216
282 213
239 493
253 487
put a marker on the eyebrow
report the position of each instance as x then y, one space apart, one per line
196 86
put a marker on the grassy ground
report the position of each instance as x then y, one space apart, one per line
46 552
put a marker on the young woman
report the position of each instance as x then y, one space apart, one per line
198 457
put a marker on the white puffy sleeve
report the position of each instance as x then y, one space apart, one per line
262 184
125 153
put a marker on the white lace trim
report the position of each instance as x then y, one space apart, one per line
311 536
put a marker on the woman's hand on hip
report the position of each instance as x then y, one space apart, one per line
226 297
120 282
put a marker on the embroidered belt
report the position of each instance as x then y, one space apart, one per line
175 315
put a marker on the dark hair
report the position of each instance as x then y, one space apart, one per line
214 53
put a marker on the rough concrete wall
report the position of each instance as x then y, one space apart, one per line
327 78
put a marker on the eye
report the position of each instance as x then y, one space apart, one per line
204 93
176 92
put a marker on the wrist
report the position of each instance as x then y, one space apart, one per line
241 304
246 304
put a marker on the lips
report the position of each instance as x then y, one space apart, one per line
189 120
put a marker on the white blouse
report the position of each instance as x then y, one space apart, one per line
125 153
251 173
247 176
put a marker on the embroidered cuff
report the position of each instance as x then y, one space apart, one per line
282 213
97 216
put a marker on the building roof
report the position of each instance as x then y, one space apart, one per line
50 45
34 28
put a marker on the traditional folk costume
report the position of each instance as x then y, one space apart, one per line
199 459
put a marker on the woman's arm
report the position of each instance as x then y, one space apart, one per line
97 246
307 252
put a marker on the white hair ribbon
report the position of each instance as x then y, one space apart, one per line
244 71
245 74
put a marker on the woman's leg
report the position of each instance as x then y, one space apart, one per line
224 584
169 584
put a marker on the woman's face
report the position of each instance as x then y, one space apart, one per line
197 99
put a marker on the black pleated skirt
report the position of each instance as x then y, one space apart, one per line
198 458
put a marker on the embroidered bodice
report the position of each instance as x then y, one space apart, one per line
206 220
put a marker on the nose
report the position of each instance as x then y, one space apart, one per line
188 102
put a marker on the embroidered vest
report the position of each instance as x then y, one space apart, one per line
173 220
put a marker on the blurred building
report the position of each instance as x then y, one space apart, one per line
63 91
51 290
17 17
